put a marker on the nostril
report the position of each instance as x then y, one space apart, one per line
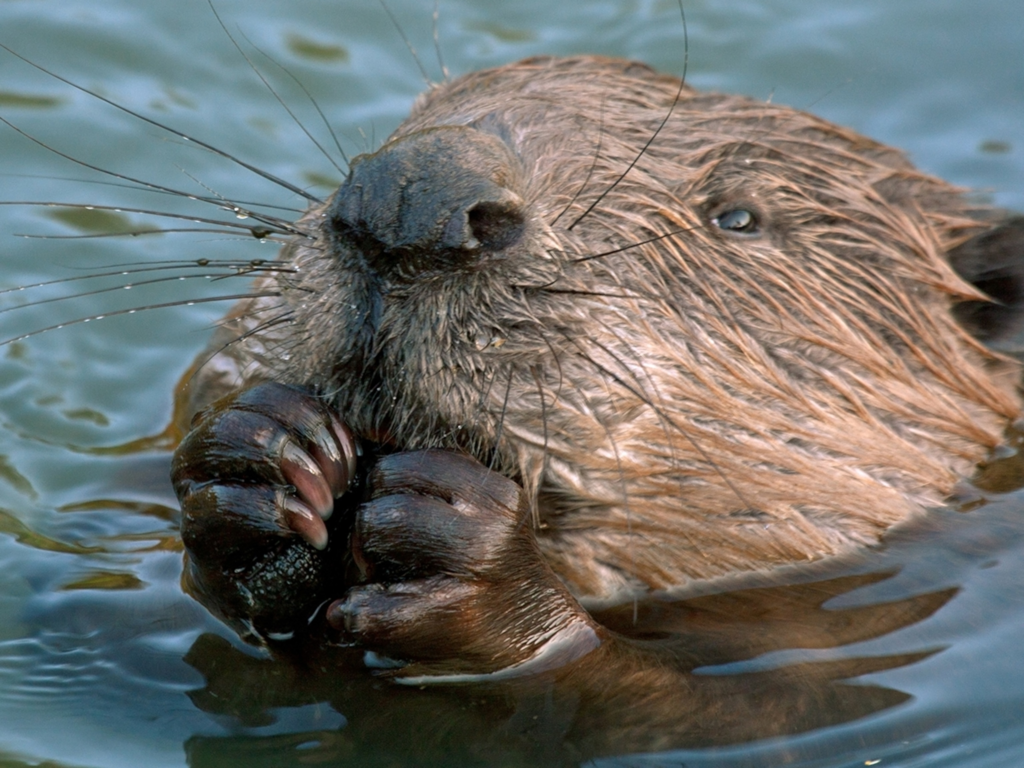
495 225
440 199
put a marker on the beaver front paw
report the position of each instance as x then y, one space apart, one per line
257 478
453 580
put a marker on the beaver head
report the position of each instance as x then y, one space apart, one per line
715 345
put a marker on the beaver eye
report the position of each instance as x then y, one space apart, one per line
738 220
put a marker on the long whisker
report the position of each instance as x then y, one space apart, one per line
237 267
637 244
408 44
316 106
535 372
273 322
599 294
485 392
100 183
121 270
199 143
533 510
501 417
657 131
144 232
257 232
269 87
590 171
238 210
437 42
621 472
230 205
124 287
133 310
558 363
656 395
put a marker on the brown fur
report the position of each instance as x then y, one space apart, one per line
686 407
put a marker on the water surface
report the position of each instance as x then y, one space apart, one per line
103 661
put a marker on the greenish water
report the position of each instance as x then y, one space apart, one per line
103 662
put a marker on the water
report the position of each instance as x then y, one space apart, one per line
103 662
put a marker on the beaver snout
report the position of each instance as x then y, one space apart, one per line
436 199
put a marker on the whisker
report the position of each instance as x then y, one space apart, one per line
139 116
437 42
240 267
557 361
257 232
535 372
268 86
101 183
618 463
238 210
223 322
656 394
123 287
408 44
133 310
637 244
599 294
533 510
273 322
590 172
621 472
316 106
230 205
657 131
501 417
155 231
485 392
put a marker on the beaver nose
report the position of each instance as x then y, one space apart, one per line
441 198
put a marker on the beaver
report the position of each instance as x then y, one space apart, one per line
578 332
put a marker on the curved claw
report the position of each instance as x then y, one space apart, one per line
308 478
305 522
257 478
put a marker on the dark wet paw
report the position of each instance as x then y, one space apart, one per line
454 581
257 479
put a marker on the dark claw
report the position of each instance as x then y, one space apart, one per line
257 477
276 436
305 522
301 471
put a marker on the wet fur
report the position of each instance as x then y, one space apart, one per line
680 402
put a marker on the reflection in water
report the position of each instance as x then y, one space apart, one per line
10 475
599 706
11 525
97 635
772 656
106 580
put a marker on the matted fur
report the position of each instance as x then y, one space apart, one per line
691 406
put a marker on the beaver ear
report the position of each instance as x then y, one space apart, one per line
994 263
